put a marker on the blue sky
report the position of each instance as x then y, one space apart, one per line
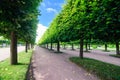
49 9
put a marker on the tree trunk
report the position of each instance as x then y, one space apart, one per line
72 46
86 46
89 42
31 46
89 46
2 44
117 48
26 47
51 46
81 48
13 49
58 46
105 46
47 45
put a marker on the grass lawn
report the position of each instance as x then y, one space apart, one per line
104 71
114 55
15 72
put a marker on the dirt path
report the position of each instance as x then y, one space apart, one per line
95 54
5 52
50 66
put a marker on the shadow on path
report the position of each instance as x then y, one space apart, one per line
29 73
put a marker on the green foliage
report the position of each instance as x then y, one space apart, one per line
111 46
3 41
93 20
19 16
94 46
103 70
106 15
15 72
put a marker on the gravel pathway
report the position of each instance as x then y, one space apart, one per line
5 52
47 65
95 54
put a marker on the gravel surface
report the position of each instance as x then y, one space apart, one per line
5 52
96 54
47 65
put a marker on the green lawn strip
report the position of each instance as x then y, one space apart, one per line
15 72
114 55
103 70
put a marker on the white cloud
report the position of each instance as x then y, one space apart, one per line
40 31
51 10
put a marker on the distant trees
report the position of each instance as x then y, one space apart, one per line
18 20
86 20
4 42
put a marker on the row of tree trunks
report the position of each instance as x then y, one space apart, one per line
117 47
87 46
56 46
81 47
28 46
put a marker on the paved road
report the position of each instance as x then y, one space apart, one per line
5 52
95 54
50 66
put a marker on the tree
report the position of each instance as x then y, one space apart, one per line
106 15
12 15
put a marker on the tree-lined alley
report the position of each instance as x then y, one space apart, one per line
86 21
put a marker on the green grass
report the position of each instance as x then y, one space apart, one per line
110 47
15 72
103 70
114 55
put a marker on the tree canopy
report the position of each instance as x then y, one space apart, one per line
18 21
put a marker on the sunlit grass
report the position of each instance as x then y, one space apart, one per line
103 70
15 72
